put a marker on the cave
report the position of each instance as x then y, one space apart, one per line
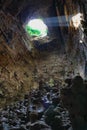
43 65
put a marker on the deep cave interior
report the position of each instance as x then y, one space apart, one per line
27 59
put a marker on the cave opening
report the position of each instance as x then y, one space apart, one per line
36 27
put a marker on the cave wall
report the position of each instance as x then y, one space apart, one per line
16 60
21 65
72 59
76 51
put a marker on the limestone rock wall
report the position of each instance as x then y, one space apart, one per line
16 61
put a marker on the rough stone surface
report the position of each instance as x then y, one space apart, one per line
21 65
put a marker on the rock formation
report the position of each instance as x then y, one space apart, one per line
23 60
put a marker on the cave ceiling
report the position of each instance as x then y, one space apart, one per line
24 10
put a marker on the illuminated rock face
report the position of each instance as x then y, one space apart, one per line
76 20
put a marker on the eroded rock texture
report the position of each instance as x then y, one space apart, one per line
16 62
21 65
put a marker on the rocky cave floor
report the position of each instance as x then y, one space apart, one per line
44 108
40 110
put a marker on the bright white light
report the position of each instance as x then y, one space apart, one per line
81 41
38 24
76 20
